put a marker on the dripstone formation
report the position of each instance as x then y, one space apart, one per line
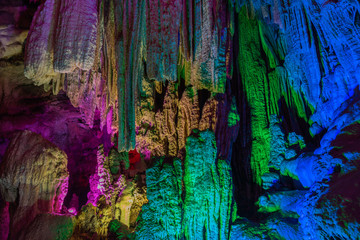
179 119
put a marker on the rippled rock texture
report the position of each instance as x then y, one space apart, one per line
33 179
181 119
178 205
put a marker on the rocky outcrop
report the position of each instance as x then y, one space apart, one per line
25 106
102 182
161 218
112 197
123 44
48 226
207 214
178 205
162 131
315 201
33 178
11 41
253 75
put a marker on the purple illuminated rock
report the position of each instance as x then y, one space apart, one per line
75 35
40 45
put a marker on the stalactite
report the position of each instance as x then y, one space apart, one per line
131 24
39 45
163 22
75 35
205 45
190 88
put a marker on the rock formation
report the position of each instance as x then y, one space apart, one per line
179 119
33 178
178 207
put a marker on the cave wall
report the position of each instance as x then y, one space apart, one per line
187 119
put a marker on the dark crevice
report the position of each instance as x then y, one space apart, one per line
159 98
181 87
357 19
203 96
292 122
246 191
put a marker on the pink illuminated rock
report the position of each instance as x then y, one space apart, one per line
89 97
102 183
4 220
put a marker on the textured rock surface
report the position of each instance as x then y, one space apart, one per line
253 73
5 219
28 107
76 29
178 205
47 226
11 41
25 152
320 211
162 217
112 197
62 38
273 86
163 25
103 184
33 174
162 131
125 41
207 214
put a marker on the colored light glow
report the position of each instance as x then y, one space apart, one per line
72 211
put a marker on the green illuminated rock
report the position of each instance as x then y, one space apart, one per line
233 116
253 74
208 199
161 217
196 203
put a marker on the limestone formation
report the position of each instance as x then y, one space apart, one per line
206 214
33 178
180 119
47 226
